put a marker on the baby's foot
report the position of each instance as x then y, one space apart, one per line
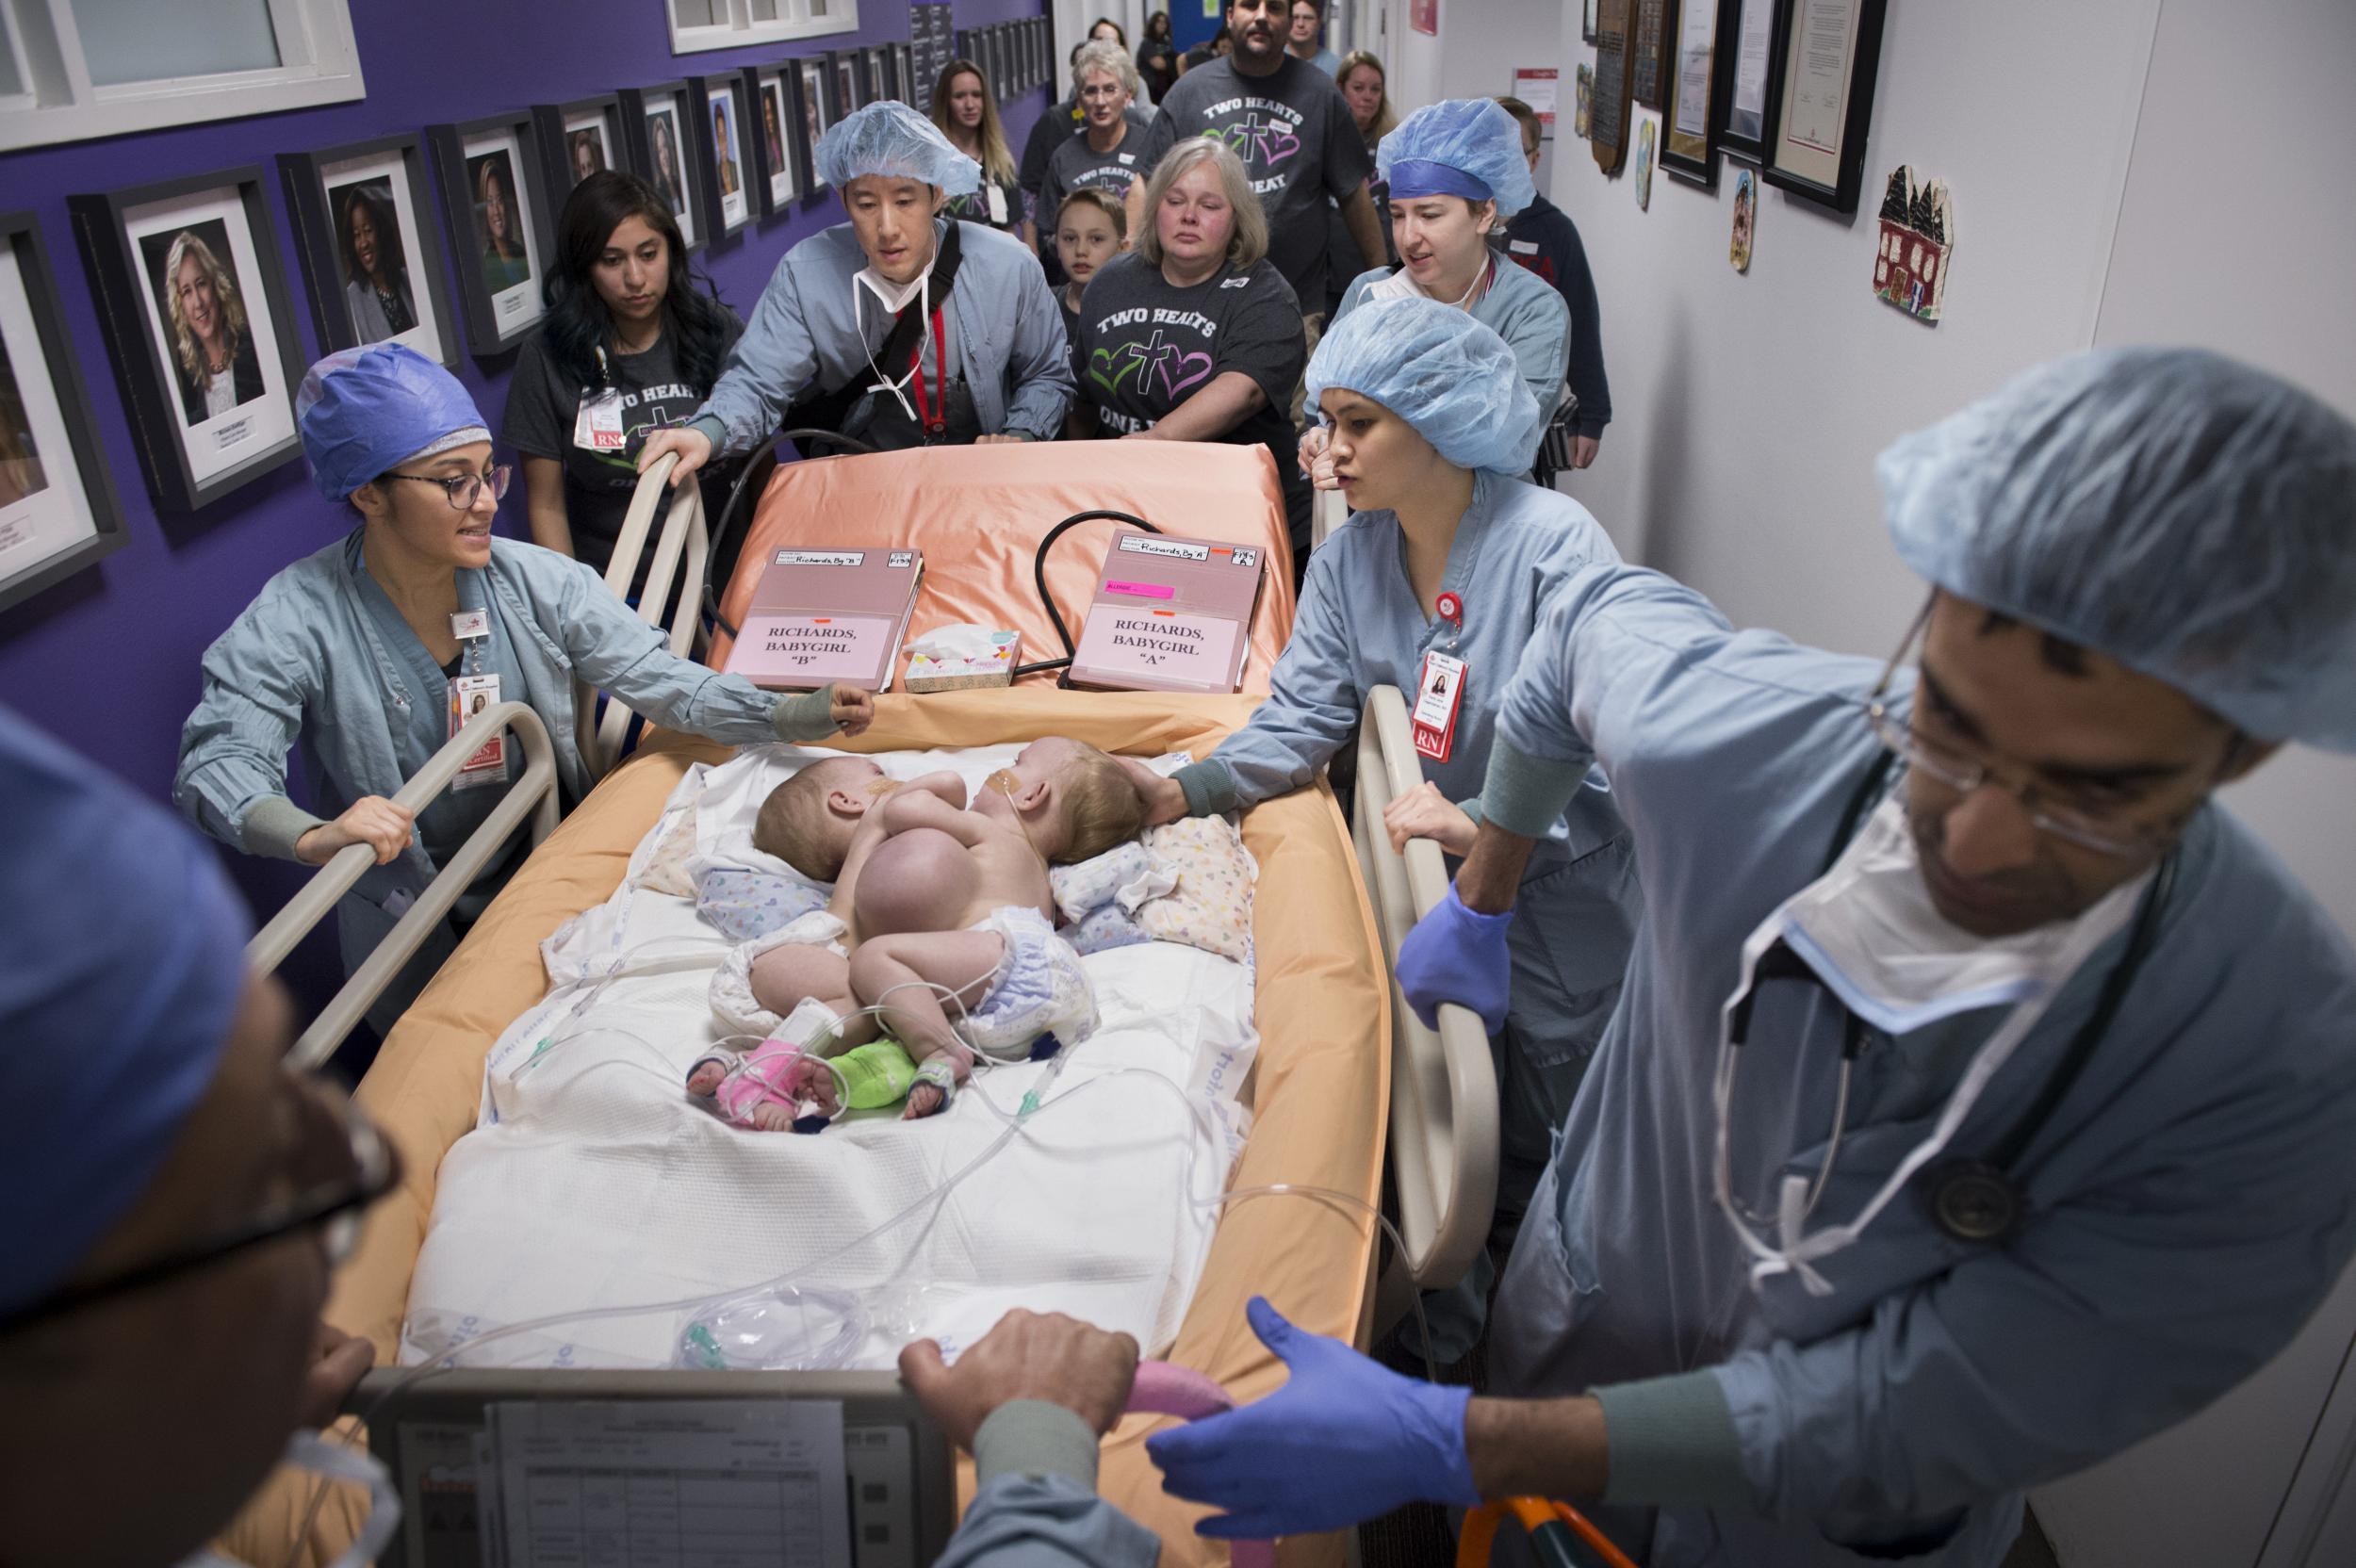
772 1117
705 1078
813 1082
924 1100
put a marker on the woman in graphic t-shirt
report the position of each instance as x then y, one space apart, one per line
1194 336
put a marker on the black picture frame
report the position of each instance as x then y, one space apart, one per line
904 62
764 85
129 318
1734 140
810 76
559 128
1839 196
1702 168
1589 31
52 354
843 88
313 210
1002 47
641 105
499 311
877 58
728 217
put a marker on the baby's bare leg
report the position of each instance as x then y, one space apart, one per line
898 976
784 977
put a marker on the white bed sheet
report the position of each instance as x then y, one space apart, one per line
592 1181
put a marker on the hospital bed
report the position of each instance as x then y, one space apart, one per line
1337 1060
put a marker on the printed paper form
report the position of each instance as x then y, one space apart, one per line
689 1483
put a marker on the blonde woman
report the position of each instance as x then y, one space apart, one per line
211 340
967 114
1112 152
1194 335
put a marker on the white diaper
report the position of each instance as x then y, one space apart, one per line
1039 987
733 983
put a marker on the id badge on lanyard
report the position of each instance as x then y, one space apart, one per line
597 423
1439 698
470 695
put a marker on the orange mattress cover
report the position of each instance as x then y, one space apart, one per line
1318 1090
978 513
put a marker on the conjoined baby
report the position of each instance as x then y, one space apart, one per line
941 921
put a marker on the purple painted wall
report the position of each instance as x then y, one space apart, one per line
108 659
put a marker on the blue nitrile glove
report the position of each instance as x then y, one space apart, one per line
1343 1440
1456 955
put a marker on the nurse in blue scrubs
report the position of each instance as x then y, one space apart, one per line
1445 568
359 654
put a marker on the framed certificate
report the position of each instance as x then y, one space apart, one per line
1754 63
1693 106
1831 53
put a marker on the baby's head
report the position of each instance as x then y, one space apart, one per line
807 821
1073 801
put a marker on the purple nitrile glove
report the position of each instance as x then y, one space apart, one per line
1456 955
1345 1438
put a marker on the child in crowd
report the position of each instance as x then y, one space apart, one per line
931 901
1092 228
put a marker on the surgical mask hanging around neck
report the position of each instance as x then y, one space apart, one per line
1868 931
895 298
313 1453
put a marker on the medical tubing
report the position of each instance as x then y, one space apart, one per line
1039 577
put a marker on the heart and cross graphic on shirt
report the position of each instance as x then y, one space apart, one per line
1260 141
1179 369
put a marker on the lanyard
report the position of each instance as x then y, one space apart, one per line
934 419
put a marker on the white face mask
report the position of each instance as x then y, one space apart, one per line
1868 929
895 296
310 1452
1399 285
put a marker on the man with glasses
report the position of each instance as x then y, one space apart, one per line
173 1199
1981 1096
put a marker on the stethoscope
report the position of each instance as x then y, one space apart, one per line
1972 1198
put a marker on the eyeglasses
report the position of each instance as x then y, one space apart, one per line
341 1165
1963 773
463 488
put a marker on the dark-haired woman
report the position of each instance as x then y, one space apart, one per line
378 289
631 346
1158 56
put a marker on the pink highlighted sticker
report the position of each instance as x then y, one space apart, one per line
1141 590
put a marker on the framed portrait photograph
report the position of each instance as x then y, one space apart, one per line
489 172
58 511
1754 93
879 83
844 72
199 326
578 140
1831 56
776 165
810 112
1694 100
904 68
719 108
370 256
666 148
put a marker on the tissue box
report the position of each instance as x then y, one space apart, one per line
996 668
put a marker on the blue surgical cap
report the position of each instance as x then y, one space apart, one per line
2185 514
364 412
118 984
1449 376
892 139
1468 147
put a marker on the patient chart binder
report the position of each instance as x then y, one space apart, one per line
827 616
1170 614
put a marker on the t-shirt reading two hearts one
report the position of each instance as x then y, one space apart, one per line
1293 130
1147 346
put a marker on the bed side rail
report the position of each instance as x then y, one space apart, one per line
533 792
1444 1089
684 536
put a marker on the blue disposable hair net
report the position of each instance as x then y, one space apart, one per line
2183 514
1449 376
892 139
120 977
364 412
1468 147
